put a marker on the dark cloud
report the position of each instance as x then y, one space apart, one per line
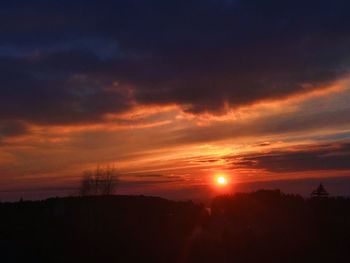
58 88
334 156
12 128
200 54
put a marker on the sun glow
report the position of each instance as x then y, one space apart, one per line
221 180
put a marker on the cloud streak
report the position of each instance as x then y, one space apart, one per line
300 159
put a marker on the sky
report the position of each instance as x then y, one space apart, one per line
174 93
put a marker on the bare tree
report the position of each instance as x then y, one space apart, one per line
102 181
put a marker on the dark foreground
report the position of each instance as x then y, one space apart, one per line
265 226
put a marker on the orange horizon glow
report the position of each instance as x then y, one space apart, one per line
163 147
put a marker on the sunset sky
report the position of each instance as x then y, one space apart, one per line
174 93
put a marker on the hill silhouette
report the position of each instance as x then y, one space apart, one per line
262 226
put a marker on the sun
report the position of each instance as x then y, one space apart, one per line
221 180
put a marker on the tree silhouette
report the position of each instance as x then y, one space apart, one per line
102 181
319 192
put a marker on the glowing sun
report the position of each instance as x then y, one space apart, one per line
221 180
